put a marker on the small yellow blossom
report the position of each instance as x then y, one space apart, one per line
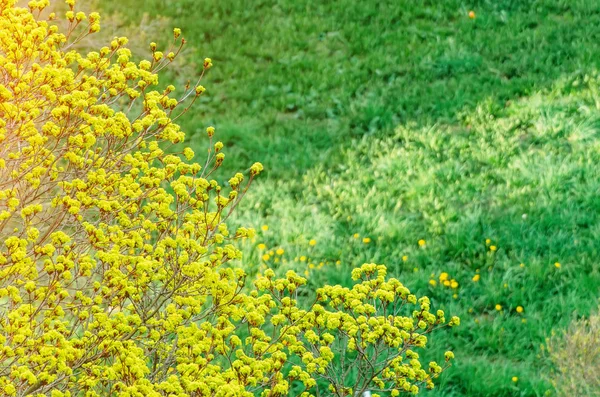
498 307
366 240
515 379
264 228
454 284
312 242
444 276
422 243
356 235
472 14
519 309
279 251
432 282
404 258
262 246
557 265
303 258
476 278
522 265
266 257
493 248
488 241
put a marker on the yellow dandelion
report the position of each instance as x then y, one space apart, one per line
366 240
311 265
454 284
356 235
264 228
488 241
312 242
303 258
432 282
306 273
557 265
493 248
279 251
404 258
455 296
524 320
422 243
472 14
519 309
515 379
262 246
476 277
447 283
522 265
444 276
266 257
338 262
498 307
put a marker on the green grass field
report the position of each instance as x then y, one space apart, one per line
400 121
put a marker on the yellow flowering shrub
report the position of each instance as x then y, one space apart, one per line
114 273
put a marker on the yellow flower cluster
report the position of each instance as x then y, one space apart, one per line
445 280
115 274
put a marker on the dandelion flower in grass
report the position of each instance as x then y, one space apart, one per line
279 251
493 248
356 235
422 243
338 262
264 228
262 246
557 265
515 379
498 307
303 258
522 265
476 278
454 284
312 242
366 240
446 283
519 309
472 15
432 283
488 241
404 258
444 276
266 257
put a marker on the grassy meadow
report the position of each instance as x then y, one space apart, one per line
461 152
